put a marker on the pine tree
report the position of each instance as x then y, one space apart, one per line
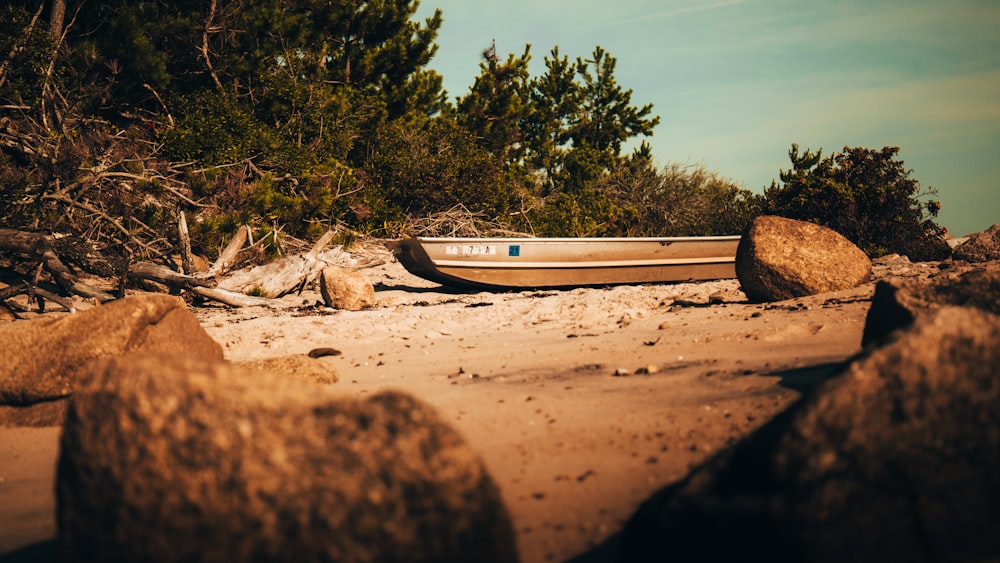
495 108
554 101
606 117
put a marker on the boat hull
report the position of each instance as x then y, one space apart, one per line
510 263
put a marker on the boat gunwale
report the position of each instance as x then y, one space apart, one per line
571 265
507 240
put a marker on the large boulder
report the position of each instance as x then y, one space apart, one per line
981 247
345 289
780 259
43 358
898 303
163 459
895 459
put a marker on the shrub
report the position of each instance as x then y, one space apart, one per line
430 167
679 200
864 194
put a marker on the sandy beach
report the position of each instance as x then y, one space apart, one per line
582 402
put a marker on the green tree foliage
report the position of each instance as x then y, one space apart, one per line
864 194
636 199
320 74
189 45
581 118
497 104
26 47
569 124
353 46
554 99
562 132
606 118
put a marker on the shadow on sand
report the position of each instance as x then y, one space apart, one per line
803 380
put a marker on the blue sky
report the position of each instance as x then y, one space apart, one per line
735 82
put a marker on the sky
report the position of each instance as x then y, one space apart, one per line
736 82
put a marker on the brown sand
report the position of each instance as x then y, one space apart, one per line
529 379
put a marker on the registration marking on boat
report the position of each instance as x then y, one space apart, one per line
471 250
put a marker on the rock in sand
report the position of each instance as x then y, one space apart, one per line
344 289
780 259
898 303
163 459
981 247
303 366
43 358
895 459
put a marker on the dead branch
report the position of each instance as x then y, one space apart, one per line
166 111
228 256
234 299
49 88
164 275
458 221
166 181
34 293
39 246
187 260
111 220
283 276
204 45
14 290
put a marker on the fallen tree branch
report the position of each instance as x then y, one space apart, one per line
164 275
283 276
228 256
234 299
33 289
14 290
114 222
40 246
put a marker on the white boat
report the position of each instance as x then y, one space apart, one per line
513 263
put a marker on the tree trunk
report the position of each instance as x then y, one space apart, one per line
56 18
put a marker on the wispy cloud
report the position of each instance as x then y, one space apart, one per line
683 10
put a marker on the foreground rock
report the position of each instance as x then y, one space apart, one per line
981 247
43 359
344 289
183 461
897 304
895 459
780 259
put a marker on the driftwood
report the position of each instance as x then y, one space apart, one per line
187 257
228 256
284 276
164 275
256 287
41 247
34 293
234 299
